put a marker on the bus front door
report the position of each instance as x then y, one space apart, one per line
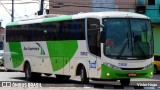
93 33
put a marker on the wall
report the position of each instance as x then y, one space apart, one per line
156 33
153 12
125 5
99 5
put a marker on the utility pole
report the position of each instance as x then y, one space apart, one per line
40 12
12 15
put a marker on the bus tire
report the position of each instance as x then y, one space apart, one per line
155 69
29 75
125 82
83 76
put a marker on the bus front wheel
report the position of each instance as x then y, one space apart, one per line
155 69
125 82
83 76
29 74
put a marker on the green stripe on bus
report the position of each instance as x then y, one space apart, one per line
12 24
60 18
16 53
61 52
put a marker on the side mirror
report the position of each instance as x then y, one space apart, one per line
102 37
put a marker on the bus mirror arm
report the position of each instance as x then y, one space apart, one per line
102 25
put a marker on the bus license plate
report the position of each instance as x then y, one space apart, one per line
132 74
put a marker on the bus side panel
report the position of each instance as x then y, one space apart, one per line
16 53
10 57
37 55
61 53
7 57
80 57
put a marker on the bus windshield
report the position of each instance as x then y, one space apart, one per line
128 38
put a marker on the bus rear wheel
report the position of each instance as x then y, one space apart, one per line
125 82
83 76
29 74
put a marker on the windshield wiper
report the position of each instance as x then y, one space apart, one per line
124 46
136 42
122 49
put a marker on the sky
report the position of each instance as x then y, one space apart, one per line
22 9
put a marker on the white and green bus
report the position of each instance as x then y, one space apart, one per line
95 45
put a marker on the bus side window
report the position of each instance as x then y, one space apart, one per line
76 30
72 30
93 26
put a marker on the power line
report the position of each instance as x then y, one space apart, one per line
6 9
22 2
17 14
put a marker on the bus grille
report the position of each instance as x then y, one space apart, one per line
131 68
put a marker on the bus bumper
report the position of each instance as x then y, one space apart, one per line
109 73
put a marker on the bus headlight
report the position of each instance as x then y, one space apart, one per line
112 66
148 66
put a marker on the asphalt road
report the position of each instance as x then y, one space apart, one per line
74 83
51 81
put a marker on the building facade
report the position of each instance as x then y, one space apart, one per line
150 8
77 6
69 6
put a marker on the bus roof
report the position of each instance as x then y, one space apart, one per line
110 14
